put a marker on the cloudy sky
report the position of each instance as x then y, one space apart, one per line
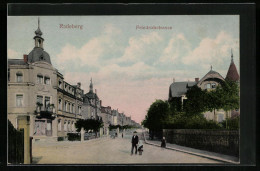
130 67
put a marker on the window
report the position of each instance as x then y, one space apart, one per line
213 85
59 125
68 108
19 100
47 80
47 102
73 126
65 87
60 84
19 77
79 110
39 79
208 86
65 125
65 105
60 104
69 126
39 99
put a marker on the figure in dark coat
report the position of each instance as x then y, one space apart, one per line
135 141
163 144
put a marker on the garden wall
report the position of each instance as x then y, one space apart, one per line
220 141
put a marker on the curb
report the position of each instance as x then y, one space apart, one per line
193 153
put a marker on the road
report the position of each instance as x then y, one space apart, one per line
107 151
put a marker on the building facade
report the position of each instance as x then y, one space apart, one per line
37 90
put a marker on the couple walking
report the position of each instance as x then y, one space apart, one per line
135 141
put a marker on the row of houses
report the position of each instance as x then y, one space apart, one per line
210 81
39 91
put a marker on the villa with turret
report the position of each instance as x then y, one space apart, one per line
209 82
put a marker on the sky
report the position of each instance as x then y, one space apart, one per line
130 67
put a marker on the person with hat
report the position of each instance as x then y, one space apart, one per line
135 141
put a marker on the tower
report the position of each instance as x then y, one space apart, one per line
232 73
37 38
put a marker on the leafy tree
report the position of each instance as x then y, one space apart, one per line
196 101
89 124
157 115
231 95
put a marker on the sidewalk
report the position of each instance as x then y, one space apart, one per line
197 152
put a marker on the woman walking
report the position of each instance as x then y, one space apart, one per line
163 144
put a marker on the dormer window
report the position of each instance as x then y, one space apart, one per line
39 79
213 85
60 84
19 77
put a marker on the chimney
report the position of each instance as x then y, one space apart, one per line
79 84
100 102
95 91
196 80
25 58
173 80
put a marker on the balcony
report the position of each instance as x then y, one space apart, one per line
48 112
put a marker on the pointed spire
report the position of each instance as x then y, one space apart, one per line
39 22
232 73
232 56
38 32
210 67
91 85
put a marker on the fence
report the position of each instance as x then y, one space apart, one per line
220 141
15 146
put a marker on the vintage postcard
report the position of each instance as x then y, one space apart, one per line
123 89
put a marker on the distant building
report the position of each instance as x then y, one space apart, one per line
106 114
91 104
209 82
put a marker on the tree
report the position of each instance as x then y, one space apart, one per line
157 117
196 101
89 124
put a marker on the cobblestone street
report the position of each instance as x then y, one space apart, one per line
107 151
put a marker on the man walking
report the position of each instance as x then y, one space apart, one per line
135 141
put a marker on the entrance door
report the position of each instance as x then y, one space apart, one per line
49 130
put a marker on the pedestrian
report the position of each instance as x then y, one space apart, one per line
122 135
135 141
140 147
163 144
115 134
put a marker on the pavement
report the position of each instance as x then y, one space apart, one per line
109 151
195 152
